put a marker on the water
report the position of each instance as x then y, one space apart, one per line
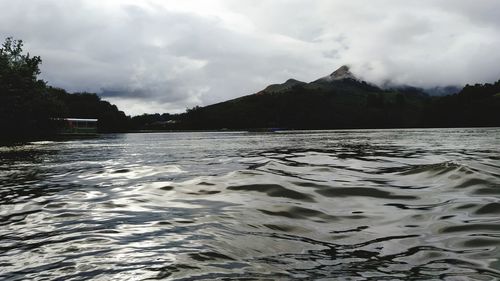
327 205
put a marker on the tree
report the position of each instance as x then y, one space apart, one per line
18 71
27 104
22 103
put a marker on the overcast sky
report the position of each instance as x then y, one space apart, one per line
163 56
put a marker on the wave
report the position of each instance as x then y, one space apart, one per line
360 205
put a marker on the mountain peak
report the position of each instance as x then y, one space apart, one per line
275 88
341 73
292 81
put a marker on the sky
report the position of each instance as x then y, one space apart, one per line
165 56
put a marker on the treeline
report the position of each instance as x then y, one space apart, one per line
350 104
153 122
27 103
474 106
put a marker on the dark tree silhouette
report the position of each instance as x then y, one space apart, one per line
27 104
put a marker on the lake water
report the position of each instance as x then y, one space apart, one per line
326 205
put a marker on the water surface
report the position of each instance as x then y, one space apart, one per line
325 205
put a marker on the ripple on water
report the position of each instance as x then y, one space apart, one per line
338 205
274 190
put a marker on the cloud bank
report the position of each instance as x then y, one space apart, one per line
164 56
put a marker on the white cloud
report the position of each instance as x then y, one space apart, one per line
160 56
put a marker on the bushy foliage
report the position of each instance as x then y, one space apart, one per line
477 105
146 122
27 104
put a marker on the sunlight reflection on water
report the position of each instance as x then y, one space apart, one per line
357 205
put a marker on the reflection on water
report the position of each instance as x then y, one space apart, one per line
345 205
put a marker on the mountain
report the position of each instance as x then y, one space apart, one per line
341 100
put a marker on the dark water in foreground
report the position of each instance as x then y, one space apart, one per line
339 205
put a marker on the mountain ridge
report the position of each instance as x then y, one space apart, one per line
343 101
343 73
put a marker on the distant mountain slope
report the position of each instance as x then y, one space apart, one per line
443 91
341 100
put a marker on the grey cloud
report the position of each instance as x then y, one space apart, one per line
168 55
